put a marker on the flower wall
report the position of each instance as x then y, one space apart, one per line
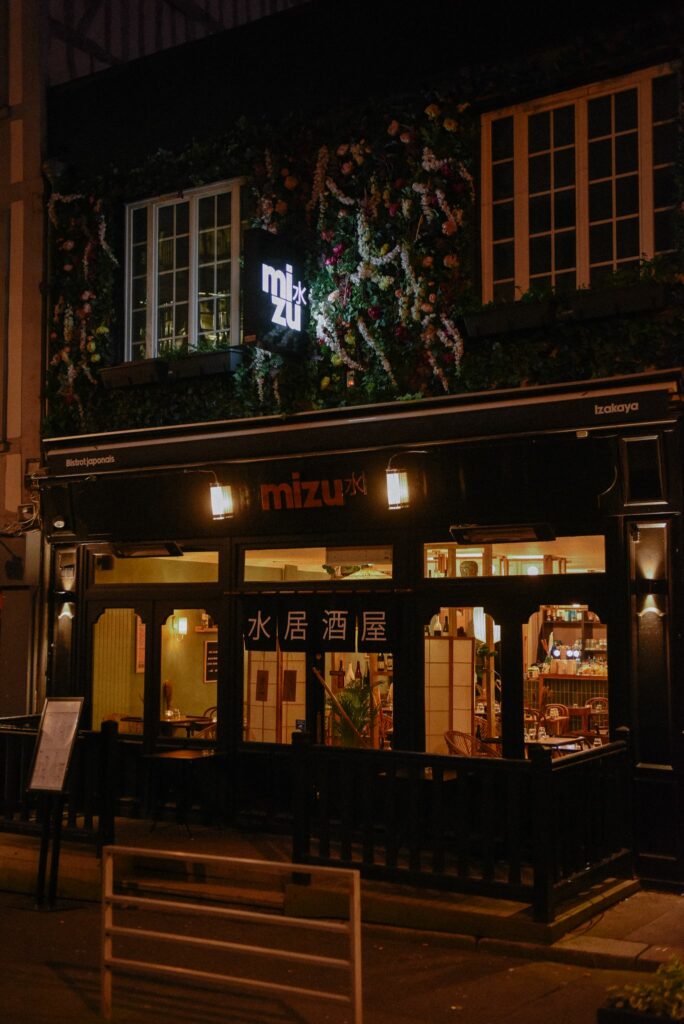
385 217
384 206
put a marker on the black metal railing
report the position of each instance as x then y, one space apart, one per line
534 830
90 791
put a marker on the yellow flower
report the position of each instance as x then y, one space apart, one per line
450 125
433 111
325 383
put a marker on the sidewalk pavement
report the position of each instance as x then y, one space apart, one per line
636 933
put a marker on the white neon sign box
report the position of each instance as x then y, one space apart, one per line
286 296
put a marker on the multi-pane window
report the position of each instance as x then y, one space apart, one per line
580 185
183 272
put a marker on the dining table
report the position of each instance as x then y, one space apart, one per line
191 723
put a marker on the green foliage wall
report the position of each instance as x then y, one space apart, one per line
385 207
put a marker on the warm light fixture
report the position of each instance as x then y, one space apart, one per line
67 610
397 488
398 492
179 626
221 500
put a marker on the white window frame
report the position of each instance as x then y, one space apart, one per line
153 206
643 81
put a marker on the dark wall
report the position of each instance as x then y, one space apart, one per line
336 52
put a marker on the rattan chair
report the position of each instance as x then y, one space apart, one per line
464 744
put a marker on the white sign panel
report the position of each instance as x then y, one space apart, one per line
56 736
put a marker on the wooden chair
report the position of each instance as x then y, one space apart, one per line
556 719
598 715
464 744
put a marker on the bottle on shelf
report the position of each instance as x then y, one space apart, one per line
381 663
446 624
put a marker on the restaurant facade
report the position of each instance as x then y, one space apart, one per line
361 482
472 575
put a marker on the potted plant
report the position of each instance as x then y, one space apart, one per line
659 999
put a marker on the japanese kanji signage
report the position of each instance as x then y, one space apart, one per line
275 294
334 623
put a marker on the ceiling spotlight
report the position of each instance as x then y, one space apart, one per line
58 523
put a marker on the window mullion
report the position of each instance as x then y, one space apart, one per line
193 273
521 203
645 136
582 193
128 296
152 248
235 235
487 206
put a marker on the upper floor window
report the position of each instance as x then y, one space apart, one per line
183 272
579 185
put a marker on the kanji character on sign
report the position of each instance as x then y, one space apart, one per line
335 624
374 626
259 627
297 626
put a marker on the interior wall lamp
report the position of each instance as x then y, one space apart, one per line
179 626
398 490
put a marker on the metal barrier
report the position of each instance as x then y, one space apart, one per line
350 928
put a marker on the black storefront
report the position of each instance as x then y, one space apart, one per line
495 481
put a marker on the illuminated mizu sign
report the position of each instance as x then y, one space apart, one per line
298 493
286 296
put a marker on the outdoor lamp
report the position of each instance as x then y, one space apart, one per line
397 488
398 492
67 610
221 500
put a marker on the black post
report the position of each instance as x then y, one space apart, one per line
58 805
109 732
46 807
623 734
301 807
543 834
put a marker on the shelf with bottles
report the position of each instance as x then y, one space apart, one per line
578 634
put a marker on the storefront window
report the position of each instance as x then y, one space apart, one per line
119 669
189 674
287 565
529 558
566 678
462 683
359 693
177 567
343 644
